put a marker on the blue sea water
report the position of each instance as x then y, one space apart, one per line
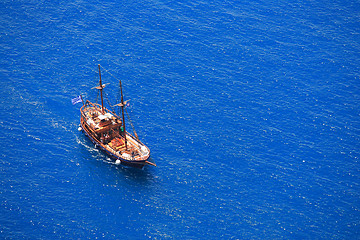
250 109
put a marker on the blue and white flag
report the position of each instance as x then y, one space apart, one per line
76 100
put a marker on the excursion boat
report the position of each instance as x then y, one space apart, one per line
108 132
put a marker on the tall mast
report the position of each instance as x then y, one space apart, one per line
101 95
123 115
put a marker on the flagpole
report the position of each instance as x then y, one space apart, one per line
82 100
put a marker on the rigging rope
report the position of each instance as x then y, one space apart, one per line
118 90
109 102
110 73
132 126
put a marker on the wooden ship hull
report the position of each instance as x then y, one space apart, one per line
107 131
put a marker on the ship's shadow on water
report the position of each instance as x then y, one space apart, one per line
141 176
